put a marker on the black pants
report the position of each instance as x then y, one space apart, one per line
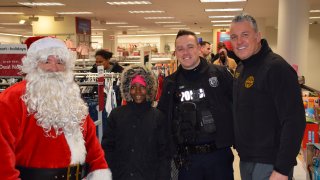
217 165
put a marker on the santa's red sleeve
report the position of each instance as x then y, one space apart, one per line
95 154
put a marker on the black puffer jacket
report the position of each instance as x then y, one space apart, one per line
135 141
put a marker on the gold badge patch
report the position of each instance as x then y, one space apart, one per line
236 75
249 82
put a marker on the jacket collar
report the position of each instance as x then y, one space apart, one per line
265 49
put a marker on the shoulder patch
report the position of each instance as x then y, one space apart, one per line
213 81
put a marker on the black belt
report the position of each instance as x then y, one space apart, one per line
69 173
198 149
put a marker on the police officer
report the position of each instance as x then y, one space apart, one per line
197 100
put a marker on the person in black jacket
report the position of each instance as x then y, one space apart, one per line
269 117
135 141
103 59
197 100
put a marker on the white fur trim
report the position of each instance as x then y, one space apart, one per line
100 174
46 43
77 147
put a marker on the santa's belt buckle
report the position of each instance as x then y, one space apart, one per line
77 168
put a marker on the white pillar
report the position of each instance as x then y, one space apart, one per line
262 26
293 32
109 41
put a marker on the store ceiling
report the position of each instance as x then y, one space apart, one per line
189 12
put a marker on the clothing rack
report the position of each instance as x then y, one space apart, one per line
94 77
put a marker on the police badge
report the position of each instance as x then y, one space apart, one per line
213 81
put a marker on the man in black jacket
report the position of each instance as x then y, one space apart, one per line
197 100
269 118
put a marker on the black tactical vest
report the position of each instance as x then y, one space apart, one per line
193 122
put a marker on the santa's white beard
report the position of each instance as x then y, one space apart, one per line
55 100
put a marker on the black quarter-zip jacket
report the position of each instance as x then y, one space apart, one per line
269 117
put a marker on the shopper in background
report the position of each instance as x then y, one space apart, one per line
103 59
224 60
205 51
45 130
269 117
135 141
230 53
197 100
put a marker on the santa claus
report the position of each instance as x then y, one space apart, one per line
45 129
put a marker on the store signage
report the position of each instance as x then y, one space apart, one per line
10 58
83 26
225 38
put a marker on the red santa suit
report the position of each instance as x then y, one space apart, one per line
23 142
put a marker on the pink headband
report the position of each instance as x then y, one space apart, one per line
138 79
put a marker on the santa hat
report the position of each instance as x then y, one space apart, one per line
32 39
40 49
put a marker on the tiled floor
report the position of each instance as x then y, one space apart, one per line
299 172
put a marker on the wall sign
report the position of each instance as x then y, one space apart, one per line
10 58
225 38
83 26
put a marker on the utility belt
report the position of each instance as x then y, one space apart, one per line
197 149
181 159
75 172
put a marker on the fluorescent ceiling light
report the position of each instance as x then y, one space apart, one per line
5 34
129 3
11 13
218 17
224 9
10 24
41 3
145 12
205 1
96 36
147 32
127 26
74 12
22 21
222 21
136 29
314 11
98 29
315 17
116 23
222 25
158 17
177 25
172 22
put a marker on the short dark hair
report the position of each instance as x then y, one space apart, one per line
204 43
105 54
186 32
246 17
221 45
